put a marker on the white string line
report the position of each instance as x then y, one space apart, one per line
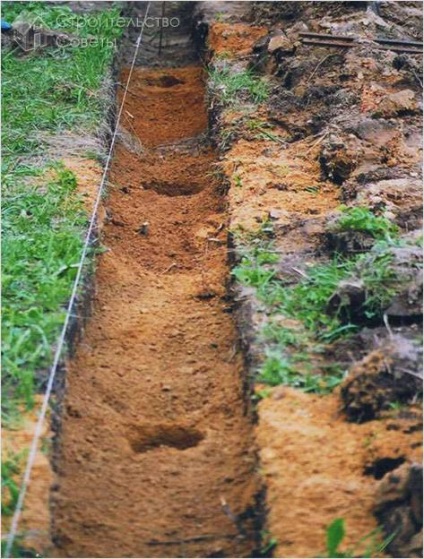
61 341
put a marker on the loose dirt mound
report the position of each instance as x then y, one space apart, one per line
157 457
339 126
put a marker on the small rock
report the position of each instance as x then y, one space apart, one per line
407 267
298 27
338 159
378 132
144 229
403 286
261 44
117 222
282 44
396 104
276 214
206 295
348 299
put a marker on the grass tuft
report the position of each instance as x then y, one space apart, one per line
238 86
300 324
9 488
362 219
370 545
46 94
295 370
54 89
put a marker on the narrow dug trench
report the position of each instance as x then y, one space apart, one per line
157 456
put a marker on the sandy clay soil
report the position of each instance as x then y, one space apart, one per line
157 454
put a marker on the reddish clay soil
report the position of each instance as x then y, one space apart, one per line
157 454
227 38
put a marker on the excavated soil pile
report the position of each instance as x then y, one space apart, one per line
338 126
156 447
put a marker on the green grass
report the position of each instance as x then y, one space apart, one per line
299 324
9 488
54 89
295 370
362 219
268 543
235 87
262 128
42 245
18 549
307 301
368 546
44 92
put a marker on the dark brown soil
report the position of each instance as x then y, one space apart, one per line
157 455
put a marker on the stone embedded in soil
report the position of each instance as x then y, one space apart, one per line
407 268
376 131
390 374
348 300
396 104
390 191
281 45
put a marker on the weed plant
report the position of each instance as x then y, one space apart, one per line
362 219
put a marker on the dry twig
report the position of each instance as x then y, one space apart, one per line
317 67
